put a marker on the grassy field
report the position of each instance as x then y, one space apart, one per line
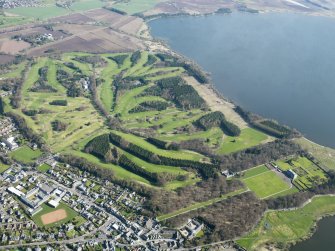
288 226
136 6
71 214
39 12
264 183
44 168
25 154
6 21
3 167
254 171
50 10
249 137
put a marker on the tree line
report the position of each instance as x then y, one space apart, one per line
217 119
176 90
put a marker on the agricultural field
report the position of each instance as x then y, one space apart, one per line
286 227
50 10
9 20
136 6
25 154
264 182
309 174
52 217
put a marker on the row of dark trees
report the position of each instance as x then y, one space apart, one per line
119 59
206 170
192 69
270 127
176 90
258 155
41 85
217 119
150 106
26 131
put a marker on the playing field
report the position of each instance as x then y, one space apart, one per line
50 216
266 183
54 216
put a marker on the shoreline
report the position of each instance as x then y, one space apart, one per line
212 88
159 45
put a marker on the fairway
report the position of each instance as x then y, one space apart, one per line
266 184
249 137
288 226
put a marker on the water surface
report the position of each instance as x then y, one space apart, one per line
323 239
281 66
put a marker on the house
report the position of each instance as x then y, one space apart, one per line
291 174
11 144
228 174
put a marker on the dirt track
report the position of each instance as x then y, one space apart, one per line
53 216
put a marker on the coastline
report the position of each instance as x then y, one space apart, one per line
210 88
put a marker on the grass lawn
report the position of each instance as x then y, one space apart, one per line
198 205
43 168
71 214
25 154
288 226
266 184
3 167
249 137
254 171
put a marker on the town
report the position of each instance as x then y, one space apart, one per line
50 202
